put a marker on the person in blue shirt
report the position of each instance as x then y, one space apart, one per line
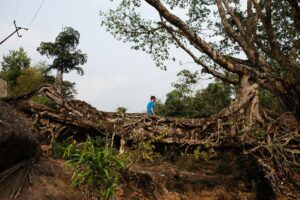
150 107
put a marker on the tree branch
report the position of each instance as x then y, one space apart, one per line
236 20
253 55
192 36
197 60
251 23
276 51
296 13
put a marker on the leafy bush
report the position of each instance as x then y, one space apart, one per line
121 110
96 169
201 103
144 150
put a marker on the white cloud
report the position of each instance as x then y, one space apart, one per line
89 88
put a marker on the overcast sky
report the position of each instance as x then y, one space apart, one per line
114 75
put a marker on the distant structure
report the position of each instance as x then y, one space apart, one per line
3 88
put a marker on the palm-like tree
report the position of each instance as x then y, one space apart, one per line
65 54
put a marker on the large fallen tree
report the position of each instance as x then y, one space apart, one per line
272 142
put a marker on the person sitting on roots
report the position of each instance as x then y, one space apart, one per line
150 107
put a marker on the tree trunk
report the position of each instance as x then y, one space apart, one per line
59 81
253 108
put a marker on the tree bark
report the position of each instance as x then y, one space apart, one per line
59 81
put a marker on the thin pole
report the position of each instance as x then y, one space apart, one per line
16 31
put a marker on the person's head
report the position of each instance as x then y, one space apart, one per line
152 98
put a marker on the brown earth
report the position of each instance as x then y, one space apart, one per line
44 180
220 176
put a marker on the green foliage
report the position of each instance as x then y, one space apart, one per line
186 82
125 24
175 104
42 99
22 78
182 102
247 36
121 110
212 99
201 152
96 168
268 101
13 64
29 79
66 56
128 23
144 150
196 154
59 148
68 90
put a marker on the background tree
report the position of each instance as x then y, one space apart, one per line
215 97
186 82
183 101
12 65
68 88
22 78
65 53
29 79
249 45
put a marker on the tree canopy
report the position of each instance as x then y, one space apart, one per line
239 42
12 65
185 101
66 56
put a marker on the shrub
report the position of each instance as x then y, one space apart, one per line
121 110
96 169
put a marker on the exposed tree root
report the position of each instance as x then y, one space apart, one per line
274 143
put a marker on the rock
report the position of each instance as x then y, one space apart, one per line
17 142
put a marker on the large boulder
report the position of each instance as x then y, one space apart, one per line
17 142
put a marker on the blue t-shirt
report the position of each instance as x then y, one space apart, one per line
149 106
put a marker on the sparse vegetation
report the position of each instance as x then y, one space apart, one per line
121 110
96 169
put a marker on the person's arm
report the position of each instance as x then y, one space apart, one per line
152 110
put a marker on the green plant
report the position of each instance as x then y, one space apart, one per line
96 169
59 147
144 149
196 154
121 110
42 99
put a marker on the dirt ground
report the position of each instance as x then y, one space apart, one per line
183 178
44 180
187 179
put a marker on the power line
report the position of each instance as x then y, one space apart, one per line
34 17
14 18
17 8
20 28
38 10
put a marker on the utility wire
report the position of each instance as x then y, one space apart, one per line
17 8
14 18
33 18
38 10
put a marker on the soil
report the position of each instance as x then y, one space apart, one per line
220 176
46 180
